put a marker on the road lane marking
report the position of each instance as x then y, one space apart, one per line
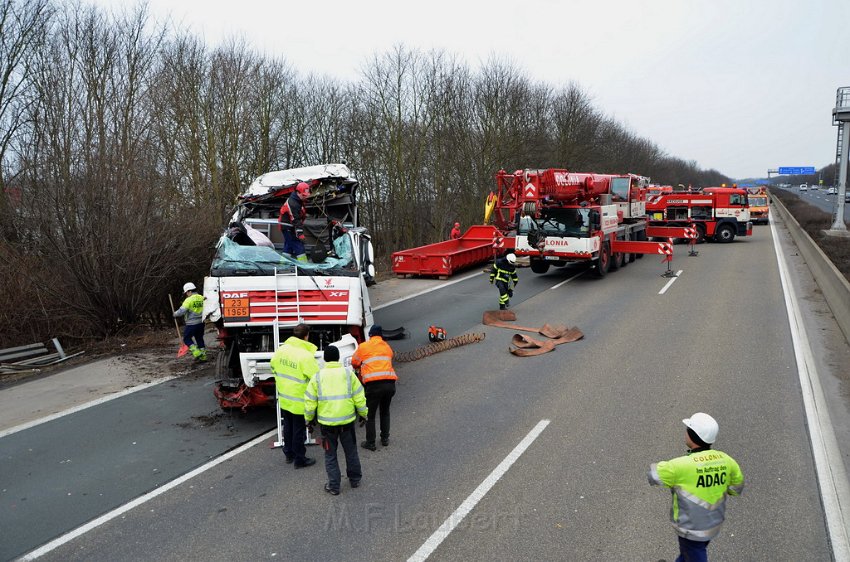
568 280
57 415
105 518
670 282
420 293
832 480
430 545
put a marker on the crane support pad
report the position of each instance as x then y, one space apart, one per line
527 346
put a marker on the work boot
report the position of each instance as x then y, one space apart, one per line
330 490
370 446
502 307
307 462
385 442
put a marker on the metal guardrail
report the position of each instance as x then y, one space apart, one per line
833 285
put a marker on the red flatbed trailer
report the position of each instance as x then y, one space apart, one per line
443 259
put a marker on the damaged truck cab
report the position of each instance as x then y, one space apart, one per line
256 294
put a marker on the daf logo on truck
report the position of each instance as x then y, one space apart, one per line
234 295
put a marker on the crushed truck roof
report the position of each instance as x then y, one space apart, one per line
273 181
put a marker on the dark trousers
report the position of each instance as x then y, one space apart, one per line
291 244
332 437
196 332
379 394
692 551
294 435
504 292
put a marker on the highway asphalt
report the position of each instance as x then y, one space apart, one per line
593 415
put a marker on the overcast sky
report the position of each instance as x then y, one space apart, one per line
736 85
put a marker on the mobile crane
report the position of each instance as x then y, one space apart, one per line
556 217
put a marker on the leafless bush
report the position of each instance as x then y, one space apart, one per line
124 144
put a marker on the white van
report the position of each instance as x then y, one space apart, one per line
804 187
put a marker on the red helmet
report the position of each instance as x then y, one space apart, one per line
303 189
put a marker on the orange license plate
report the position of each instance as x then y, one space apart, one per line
237 309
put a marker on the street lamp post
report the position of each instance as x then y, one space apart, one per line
841 117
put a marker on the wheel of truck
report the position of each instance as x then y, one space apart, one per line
603 262
539 266
641 237
617 259
627 257
725 233
223 359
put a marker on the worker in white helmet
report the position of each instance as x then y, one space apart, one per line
503 273
193 310
699 482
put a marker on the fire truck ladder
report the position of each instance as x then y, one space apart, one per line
293 277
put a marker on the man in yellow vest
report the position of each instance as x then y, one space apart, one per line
699 482
335 398
293 364
193 309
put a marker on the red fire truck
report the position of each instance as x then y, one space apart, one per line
719 213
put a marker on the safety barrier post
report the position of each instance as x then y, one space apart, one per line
691 232
666 248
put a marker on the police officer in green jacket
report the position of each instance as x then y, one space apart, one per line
699 482
335 398
293 364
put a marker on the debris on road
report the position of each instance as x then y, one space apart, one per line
526 346
431 349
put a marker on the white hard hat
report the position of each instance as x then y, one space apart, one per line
511 258
704 426
189 287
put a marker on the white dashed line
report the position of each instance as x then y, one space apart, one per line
455 518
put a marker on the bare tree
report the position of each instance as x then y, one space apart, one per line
22 29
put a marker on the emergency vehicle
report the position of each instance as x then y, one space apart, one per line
759 205
718 213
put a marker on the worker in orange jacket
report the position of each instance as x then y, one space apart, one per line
373 362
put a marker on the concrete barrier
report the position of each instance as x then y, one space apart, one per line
833 285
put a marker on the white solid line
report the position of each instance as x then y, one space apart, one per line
430 545
568 280
442 286
52 417
79 531
829 465
670 282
